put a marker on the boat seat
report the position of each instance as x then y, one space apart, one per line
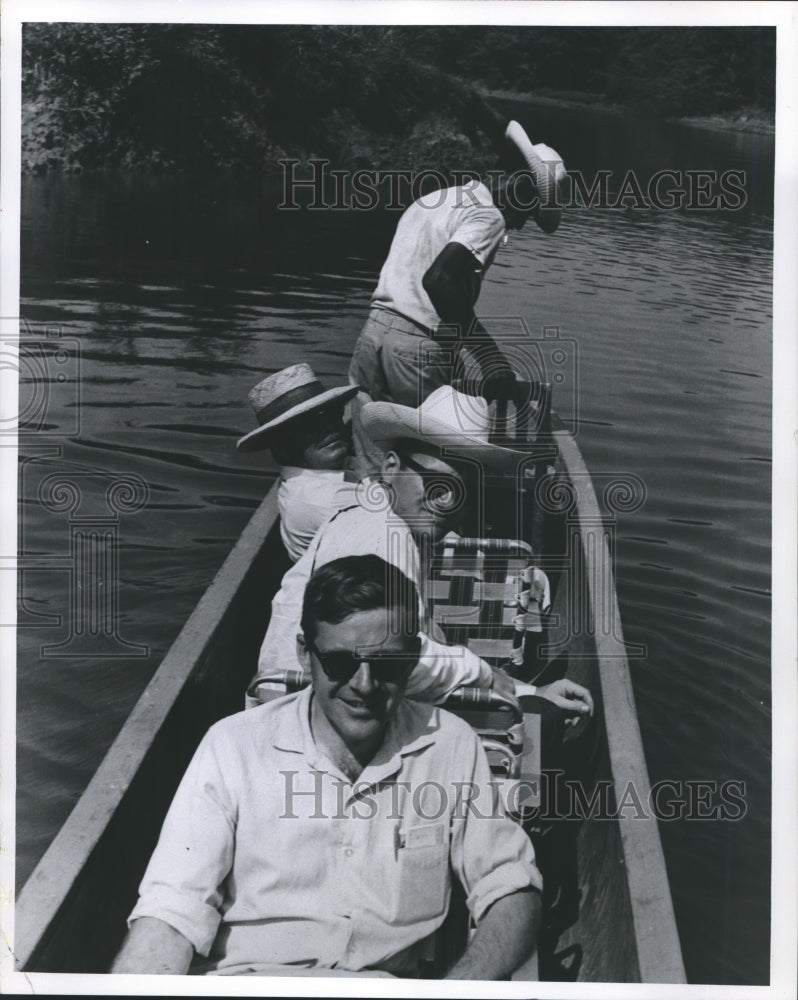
479 595
275 687
499 725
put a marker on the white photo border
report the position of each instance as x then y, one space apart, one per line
784 873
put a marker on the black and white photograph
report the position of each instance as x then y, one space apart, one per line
399 499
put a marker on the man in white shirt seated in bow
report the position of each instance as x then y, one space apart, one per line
429 477
320 834
302 423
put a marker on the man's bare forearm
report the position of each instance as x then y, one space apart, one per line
452 283
505 937
477 339
153 947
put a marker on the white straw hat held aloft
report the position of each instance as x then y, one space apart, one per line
546 166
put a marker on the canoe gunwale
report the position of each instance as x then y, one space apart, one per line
657 941
59 868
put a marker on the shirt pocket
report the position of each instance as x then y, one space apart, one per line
422 879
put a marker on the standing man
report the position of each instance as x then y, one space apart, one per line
320 834
422 311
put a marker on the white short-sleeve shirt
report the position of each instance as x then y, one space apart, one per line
305 499
465 215
270 856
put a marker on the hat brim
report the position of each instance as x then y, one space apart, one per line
550 178
388 422
259 438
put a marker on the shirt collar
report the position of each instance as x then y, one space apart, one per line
291 728
413 727
292 471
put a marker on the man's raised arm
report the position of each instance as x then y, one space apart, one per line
153 947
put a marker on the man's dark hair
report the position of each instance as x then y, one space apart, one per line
359 583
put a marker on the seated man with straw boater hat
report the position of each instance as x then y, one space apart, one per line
422 311
428 479
321 834
302 423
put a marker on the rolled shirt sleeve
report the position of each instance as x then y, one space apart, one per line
480 230
442 669
491 854
183 883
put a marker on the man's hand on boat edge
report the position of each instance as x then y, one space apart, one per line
566 694
570 697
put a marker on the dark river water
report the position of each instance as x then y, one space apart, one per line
165 299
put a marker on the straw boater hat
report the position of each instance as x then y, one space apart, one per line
284 396
546 166
458 424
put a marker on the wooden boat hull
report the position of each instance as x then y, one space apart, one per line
626 930
615 922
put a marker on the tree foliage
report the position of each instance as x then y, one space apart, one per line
208 96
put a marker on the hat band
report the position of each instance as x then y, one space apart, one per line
288 400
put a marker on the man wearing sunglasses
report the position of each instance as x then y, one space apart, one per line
433 455
302 840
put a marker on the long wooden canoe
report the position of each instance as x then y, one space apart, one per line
614 920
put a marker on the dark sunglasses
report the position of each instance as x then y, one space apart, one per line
443 492
342 665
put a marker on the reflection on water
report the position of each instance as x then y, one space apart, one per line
179 296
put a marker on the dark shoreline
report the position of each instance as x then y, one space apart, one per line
750 120
441 138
